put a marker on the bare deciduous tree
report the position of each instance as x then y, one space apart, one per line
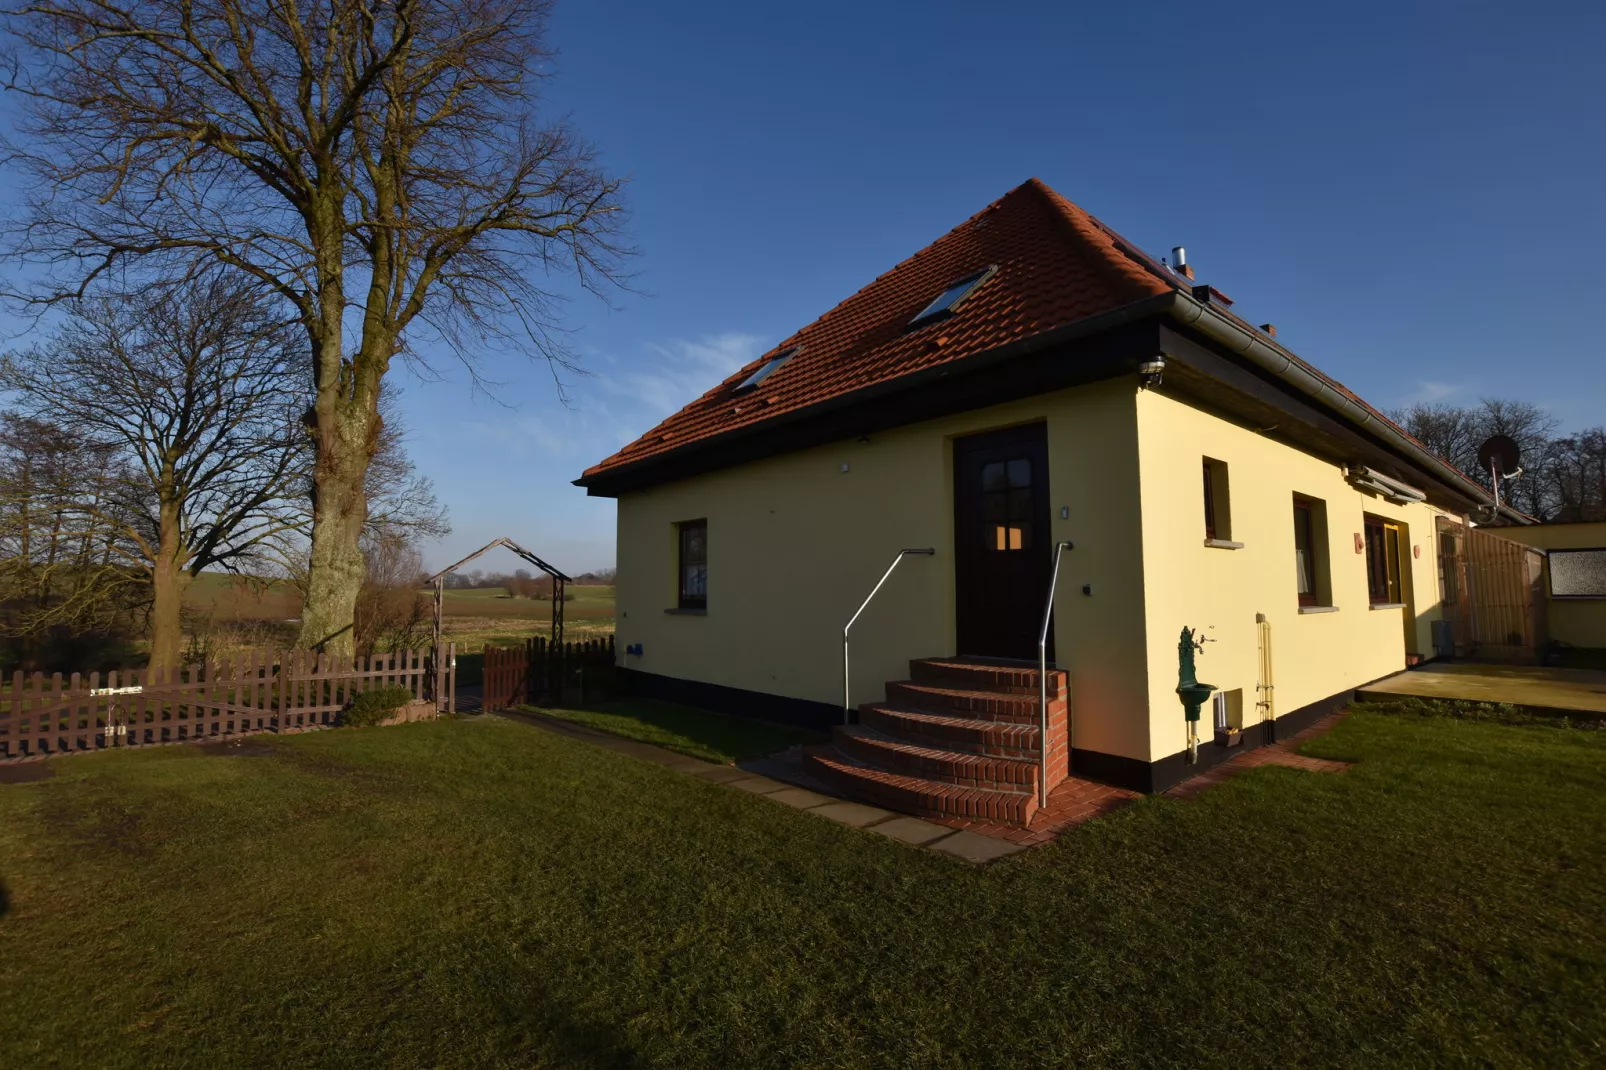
392 612
378 163
1563 478
66 592
183 397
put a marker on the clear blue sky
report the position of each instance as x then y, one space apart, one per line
1412 192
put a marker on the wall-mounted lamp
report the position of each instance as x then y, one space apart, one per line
1151 371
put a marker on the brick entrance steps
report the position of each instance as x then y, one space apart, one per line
959 739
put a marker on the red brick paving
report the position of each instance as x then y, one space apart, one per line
1284 752
1076 801
1072 802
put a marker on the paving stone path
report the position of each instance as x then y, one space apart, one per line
751 777
781 778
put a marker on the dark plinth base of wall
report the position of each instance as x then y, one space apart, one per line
1130 773
1136 775
758 705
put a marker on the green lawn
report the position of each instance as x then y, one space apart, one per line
708 736
482 893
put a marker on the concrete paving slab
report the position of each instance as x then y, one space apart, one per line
1570 691
911 830
974 847
683 764
849 813
721 774
801 798
644 751
758 785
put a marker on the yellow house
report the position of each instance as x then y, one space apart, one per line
1031 392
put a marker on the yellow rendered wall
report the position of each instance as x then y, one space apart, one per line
1219 591
1575 621
795 543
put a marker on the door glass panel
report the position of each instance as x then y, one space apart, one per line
1006 503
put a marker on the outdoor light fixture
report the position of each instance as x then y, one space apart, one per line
1151 370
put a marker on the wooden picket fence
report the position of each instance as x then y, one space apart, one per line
539 671
295 691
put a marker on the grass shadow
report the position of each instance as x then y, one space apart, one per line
714 737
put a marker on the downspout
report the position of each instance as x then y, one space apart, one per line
1244 342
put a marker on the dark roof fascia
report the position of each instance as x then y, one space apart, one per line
1098 347
1210 379
1246 343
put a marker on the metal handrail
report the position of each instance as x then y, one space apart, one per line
847 709
1042 677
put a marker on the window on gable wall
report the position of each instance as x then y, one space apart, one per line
693 537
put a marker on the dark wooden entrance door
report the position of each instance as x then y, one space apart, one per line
1001 539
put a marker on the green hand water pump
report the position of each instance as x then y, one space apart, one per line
1189 690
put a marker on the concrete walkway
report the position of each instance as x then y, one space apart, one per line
1565 691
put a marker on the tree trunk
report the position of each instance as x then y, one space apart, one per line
169 580
339 510
345 426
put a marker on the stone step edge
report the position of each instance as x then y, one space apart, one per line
917 796
873 748
1018 708
986 678
966 735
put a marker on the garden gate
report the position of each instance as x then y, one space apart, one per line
539 672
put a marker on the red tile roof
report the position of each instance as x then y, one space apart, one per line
1056 265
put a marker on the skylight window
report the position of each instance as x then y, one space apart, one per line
949 300
765 370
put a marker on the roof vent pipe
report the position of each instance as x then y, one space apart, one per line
1179 262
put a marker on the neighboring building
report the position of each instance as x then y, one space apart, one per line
1574 581
988 397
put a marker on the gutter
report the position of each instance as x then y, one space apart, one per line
1249 344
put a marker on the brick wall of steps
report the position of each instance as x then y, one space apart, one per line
958 739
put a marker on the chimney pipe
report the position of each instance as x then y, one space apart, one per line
1270 329
1179 260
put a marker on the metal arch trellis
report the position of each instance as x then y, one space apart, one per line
559 582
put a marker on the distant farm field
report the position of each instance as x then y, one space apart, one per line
472 617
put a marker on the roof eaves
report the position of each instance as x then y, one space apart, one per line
1237 336
1144 308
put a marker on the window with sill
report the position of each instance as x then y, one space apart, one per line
1217 502
1310 552
693 539
1383 566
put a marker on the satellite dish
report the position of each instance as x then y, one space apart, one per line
1500 453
